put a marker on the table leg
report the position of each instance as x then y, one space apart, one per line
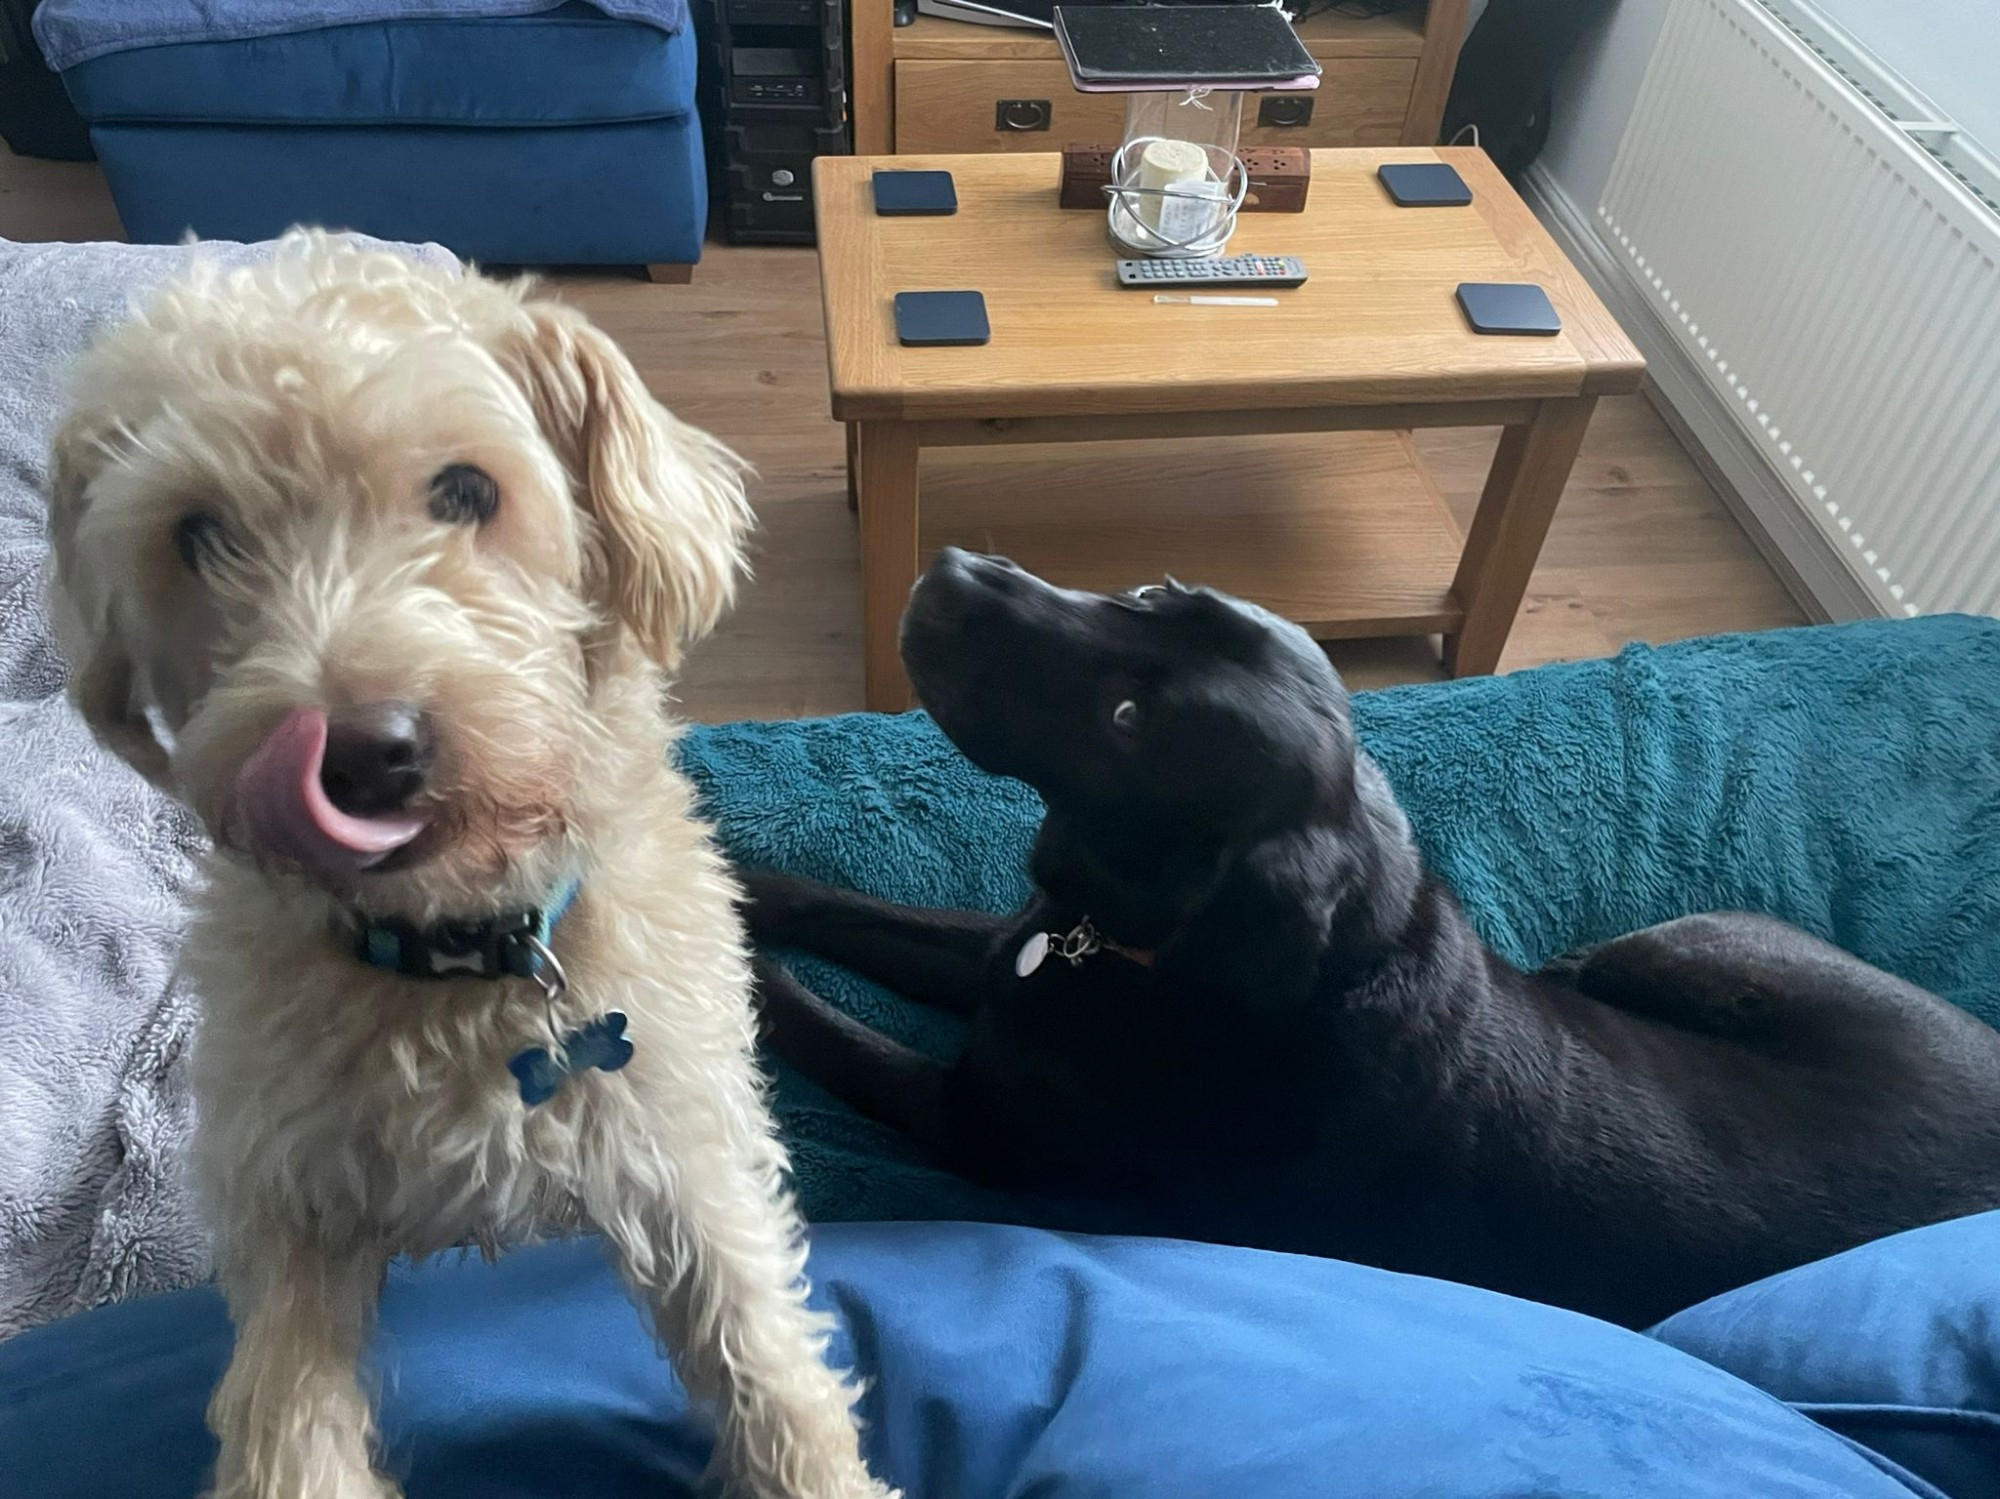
885 479
853 466
1527 478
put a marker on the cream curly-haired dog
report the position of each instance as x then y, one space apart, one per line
380 567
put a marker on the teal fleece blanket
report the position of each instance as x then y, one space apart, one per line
1845 778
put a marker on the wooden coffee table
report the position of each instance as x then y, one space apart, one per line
1373 343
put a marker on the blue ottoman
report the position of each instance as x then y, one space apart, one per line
564 137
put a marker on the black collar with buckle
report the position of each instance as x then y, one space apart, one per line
1081 941
508 944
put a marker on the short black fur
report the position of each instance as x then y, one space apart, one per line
1296 1040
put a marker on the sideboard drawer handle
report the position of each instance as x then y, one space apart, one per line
1284 111
1021 114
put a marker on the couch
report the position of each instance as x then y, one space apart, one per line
511 131
1847 778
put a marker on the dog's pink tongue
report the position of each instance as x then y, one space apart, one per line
282 811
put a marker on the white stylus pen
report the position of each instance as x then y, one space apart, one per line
1199 301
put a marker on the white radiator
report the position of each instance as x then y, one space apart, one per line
1831 258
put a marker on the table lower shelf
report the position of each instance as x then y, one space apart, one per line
1344 533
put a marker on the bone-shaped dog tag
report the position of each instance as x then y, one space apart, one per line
600 1044
1032 954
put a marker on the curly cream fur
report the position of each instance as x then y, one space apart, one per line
349 1115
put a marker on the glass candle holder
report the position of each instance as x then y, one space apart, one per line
1177 182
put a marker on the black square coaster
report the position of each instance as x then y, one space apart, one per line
914 193
1425 184
1509 307
941 317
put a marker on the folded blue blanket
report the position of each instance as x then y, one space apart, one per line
74 31
1845 778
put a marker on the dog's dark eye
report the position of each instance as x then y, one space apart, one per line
1125 717
462 495
200 539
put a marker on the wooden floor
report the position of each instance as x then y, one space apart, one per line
1642 549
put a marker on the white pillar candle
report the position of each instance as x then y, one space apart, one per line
1162 164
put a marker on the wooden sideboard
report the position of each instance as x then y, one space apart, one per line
949 86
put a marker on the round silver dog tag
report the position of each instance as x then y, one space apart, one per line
1030 957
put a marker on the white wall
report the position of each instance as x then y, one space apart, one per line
1948 50
1594 95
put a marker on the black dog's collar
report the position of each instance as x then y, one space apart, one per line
1081 941
509 944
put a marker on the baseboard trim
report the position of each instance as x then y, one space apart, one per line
1810 566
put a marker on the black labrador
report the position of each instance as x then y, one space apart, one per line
1239 1004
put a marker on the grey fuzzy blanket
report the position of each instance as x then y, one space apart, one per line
95 868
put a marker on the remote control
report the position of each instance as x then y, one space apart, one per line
1232 270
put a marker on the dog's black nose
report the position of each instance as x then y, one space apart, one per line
979 562
377 756
953 560
978 567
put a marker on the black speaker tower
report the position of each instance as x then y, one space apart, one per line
774 96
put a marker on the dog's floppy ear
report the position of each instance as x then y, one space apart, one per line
1263 927
102 680
666 498
102 687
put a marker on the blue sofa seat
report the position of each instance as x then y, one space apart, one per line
1006 1362
566 137
587 70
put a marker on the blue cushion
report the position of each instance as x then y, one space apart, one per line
73 31
570 66
1895 1344
1830 776
596 194
1005 1361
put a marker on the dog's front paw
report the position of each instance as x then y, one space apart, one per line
332 1485
845 1477
860 1486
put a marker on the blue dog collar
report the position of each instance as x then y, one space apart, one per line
509 944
